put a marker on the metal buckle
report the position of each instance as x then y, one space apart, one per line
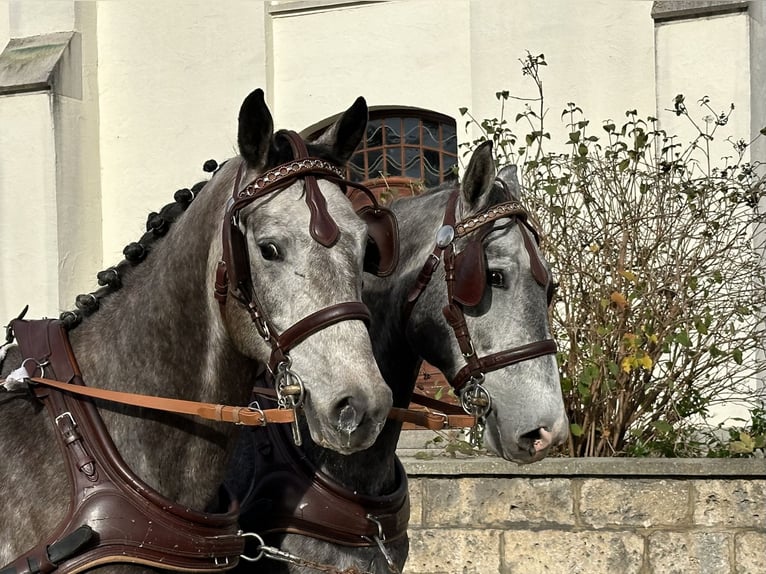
290 394
61 417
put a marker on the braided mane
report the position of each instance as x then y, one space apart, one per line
157 225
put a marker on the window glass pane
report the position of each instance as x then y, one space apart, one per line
430 134
449 138
393 161
374 163
449 162
432 170
374 133
411 131
393 131
412 162
356 165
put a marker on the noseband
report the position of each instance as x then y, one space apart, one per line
465 275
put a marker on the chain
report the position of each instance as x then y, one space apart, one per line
273 553
282 556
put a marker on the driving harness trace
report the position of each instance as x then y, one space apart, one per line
113 516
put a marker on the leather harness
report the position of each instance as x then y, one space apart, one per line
290 495
113 516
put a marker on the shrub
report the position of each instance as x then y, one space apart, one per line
661 293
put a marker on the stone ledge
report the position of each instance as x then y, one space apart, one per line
42 63
666 10
588 467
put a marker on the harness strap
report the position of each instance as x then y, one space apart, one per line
502 359
209 411
132 522
290 495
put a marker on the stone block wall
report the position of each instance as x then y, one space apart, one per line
589 516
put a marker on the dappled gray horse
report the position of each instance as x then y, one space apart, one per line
486 329
291 250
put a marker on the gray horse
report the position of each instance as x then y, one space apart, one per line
162 333
527 415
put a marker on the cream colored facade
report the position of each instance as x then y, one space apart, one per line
146 90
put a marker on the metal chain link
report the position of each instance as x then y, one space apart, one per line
273 553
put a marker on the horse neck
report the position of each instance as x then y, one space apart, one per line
372 471
160 334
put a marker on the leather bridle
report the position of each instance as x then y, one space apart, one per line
465 276
233 272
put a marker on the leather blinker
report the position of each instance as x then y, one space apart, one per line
470 274
382 254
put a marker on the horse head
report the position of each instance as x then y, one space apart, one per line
293 253
488 330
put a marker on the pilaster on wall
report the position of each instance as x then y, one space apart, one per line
49 215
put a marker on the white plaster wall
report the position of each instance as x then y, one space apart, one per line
171 78
758 76
34 17
600 55
705 57
409 53
5 23
28 212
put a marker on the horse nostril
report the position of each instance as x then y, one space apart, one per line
351 412
536 440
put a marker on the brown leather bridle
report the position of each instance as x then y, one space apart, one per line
233 271
465 276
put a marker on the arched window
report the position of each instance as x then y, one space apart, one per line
403 142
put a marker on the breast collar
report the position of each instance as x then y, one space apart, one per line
113 516
291 495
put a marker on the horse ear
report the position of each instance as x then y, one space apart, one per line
478 178
509 176
256 128
344 135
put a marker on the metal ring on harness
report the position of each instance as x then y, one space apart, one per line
261 544
39 365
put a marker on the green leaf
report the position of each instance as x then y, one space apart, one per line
574 137
736 354
763 131
463 111
682 338
575 429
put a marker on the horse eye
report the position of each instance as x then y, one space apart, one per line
270 252
496 278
